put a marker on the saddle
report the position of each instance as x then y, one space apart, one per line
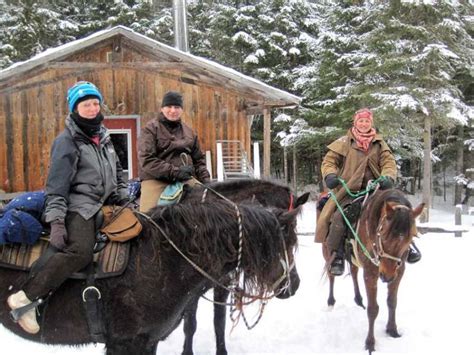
118 224
110 261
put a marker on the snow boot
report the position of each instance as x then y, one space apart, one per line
28 320
414 254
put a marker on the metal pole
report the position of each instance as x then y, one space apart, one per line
180 25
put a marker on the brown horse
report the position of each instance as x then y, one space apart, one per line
146 303
385 230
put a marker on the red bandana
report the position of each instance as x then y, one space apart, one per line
363 139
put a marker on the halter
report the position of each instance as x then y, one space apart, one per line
290 207
233 289
378 244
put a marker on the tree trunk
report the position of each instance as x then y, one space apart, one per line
458 188
426 169
285 163
294 169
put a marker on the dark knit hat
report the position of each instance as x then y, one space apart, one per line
172 98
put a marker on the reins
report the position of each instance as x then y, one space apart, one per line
377 246
372 185
238 293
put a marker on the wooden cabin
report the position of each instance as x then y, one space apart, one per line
133 72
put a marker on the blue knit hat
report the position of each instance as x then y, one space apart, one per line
80 90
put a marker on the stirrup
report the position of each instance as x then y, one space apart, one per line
19 312
337 266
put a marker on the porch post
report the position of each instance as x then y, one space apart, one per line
267 121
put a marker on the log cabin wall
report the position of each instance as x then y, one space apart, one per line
132 80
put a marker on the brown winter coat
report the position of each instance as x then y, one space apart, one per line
161 145
356 167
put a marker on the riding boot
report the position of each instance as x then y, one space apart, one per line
334 242
337 264
414 254
28 320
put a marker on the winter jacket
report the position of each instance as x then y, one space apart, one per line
161 145
356 167
82 176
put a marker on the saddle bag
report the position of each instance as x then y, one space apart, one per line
19 227
120 224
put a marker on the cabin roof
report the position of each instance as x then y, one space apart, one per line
232 79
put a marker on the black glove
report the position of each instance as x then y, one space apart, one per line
386 183
331 181
184 173
58 234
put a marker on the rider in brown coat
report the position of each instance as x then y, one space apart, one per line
168 152
357 157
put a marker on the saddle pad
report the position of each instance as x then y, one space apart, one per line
109 262
171 194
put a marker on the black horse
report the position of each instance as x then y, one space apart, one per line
146 303
263 192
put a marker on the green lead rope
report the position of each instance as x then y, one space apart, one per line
371 186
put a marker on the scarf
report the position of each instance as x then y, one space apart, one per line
90 127
363 140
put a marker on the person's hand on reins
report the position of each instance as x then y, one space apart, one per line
184 173
332 181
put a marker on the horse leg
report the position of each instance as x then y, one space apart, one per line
331 299
370 279
189 326
137 345
392 303
220 297
357 296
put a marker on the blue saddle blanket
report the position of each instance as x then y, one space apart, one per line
171 194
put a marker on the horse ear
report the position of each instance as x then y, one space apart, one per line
301 200
389 209
288 217
417 211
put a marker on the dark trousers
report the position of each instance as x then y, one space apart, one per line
337 230
77 254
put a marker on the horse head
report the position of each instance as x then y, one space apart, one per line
394 233
289 281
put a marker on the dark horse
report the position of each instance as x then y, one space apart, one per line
264 192
145 304
386 228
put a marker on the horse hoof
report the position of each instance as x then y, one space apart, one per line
359 302
393 333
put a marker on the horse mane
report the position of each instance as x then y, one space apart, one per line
401 221
248 183
208 234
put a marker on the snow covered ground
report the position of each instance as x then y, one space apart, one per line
434 312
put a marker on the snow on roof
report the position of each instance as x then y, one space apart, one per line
267 91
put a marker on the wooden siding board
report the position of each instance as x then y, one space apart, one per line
24 136
33 138
3 144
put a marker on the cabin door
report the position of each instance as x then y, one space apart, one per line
124 133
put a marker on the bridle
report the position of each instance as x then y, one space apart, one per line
378 243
